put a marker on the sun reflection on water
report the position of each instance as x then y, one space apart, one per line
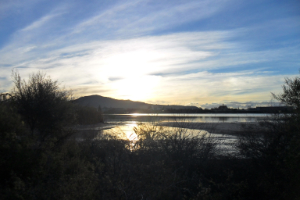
124 132
130 134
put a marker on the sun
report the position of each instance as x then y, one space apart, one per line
128 72
136 88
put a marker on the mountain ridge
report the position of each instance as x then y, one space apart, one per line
108 102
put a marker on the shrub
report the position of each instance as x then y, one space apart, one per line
41 103
274 149
87 115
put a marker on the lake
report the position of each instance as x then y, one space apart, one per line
171 117
220 126
122 125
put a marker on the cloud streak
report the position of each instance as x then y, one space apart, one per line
156 51
136 61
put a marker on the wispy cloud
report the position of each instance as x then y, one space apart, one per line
137 18
39 23
136 62
178 52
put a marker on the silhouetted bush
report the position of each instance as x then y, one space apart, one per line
40 161
33 171
44 107
38 158
273 148
87 115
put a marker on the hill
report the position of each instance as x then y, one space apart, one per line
108 103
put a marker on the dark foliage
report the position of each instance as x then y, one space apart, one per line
162 164
86 115
274 150
43 106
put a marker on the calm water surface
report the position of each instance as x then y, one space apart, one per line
123 124
165 117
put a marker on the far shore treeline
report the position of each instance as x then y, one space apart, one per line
44 155
116 106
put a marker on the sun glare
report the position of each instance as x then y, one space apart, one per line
132 63
128 72
124 132
136 88
130 134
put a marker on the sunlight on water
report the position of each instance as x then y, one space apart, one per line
200 118
124 131
134 130
130 134
138 114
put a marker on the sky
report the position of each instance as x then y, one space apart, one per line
186 52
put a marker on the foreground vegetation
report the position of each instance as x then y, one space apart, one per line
41 160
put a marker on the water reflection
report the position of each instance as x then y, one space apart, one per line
123 126
132 130
124 131
201 118
128 132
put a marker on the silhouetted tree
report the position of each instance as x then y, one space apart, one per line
41 103
291 93
274 149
